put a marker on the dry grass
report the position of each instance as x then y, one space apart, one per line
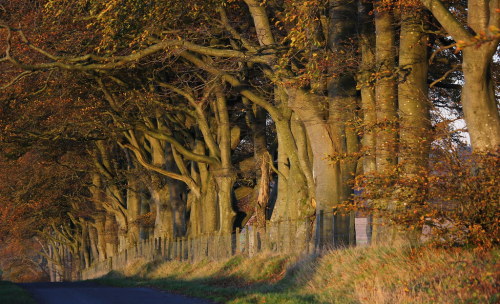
241 271
401 275
352 275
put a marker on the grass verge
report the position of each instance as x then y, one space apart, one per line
10 293
353 275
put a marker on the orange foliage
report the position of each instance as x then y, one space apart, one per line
456 202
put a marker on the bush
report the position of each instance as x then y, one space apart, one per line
455 202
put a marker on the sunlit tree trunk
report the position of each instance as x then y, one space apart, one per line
159 190
93 240
111 235
365 84
385 87
134 201
225 175
412 93
385 104
478 93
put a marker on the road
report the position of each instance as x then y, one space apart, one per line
89 293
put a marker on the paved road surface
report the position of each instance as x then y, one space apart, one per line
88 293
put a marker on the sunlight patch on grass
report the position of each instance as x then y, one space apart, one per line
352 275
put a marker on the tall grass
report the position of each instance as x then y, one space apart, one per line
402 275
351 275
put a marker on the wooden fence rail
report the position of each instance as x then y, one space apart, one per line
288 237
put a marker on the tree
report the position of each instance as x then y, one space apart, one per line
479 38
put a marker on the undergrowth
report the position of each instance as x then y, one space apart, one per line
352 275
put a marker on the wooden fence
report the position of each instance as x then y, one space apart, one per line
288 237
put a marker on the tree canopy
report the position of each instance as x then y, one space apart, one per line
175 118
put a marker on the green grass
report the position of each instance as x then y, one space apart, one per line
353 275
260 279
10 293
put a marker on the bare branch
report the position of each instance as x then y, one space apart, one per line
447 20
190 182
456 67
16 79
233 81
202 120
225 22
180 148
93 62
261 22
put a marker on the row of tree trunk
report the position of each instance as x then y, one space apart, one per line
172 165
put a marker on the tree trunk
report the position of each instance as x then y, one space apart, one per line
111 235
364 83
343 106
478 93
163 212
93 239
385 96
159 190
50 263
327 175
412 93
385 88
225 175
175 190
85 245
134 201
101 235
294 198
478 99
209 205
256 121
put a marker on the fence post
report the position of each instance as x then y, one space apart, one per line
319 231
292 236
229 244
279 232
206 248
197 248
217 246
209 245
307 233
181 248
175 248
164 247
237 244
266 241
178 249
184 248
287 236
247 241
170 249
271 233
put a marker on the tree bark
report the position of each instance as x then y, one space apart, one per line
343 106
412 93
225 175
385 88
385 108
478 93
364 83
